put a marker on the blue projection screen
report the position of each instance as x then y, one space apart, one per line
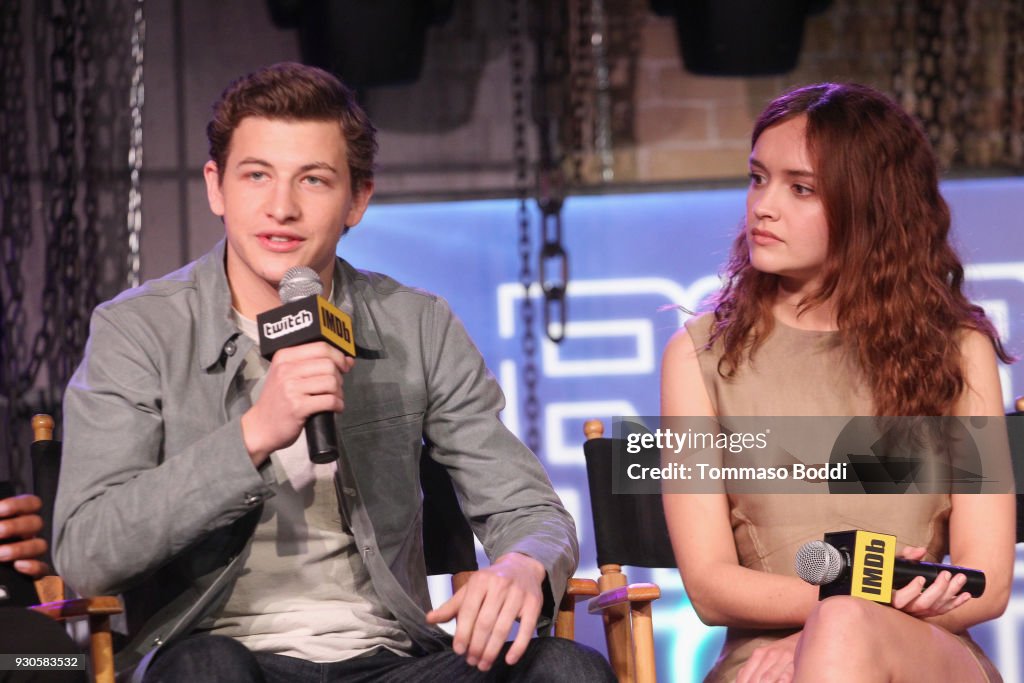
632 258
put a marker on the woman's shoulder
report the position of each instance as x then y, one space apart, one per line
698 328
982 394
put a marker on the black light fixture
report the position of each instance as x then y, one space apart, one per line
365 42
739 37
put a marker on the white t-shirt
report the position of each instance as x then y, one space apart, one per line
304 591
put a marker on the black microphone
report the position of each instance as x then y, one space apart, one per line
864 564
307 317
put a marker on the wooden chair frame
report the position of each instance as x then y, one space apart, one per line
626 611
97 610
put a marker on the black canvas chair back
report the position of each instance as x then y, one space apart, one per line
629 529
447 537
45 454
1015 429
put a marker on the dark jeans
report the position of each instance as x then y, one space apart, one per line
202 658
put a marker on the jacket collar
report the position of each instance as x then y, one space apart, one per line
353 288
217 326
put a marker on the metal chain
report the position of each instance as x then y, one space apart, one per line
549 116
114 65
580 67
928 86
1013 84
62 248
517 55
15 220
958 95
136 101
76 123
900 42
624 46
601 45
88 245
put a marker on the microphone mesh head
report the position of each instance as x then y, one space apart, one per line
298 283
819 563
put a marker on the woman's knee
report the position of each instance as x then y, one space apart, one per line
843 622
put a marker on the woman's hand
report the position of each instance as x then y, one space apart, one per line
771 663
944 595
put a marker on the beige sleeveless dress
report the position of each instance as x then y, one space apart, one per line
806 373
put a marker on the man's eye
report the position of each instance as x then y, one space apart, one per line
756 178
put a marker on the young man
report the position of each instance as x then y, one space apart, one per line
186 481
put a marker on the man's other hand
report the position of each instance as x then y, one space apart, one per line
487 606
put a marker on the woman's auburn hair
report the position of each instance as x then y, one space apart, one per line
891 274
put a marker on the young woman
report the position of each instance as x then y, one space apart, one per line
843 297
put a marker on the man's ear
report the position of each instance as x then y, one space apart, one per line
360 200
213 190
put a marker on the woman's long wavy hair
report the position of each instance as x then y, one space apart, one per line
891 275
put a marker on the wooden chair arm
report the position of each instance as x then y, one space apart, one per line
80 607
636 592
50 589
98 611
565 620
582 588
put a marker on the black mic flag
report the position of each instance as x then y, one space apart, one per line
307 317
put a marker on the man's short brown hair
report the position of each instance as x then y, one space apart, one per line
295 92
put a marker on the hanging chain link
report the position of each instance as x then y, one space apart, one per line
86 297
15 219
901 89
549 115
136 101
581 72
75 126
517 55
601 45
62 240
957 96
1013 85
928 85
936 44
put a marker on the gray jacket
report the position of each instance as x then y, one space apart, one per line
158 498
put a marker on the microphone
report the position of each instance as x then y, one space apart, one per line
864 564
307 317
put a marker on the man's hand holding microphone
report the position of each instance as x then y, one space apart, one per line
304 386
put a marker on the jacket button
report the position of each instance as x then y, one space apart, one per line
251 499
230 347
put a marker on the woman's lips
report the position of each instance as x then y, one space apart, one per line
764 237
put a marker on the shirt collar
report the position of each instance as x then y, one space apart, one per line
217 326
